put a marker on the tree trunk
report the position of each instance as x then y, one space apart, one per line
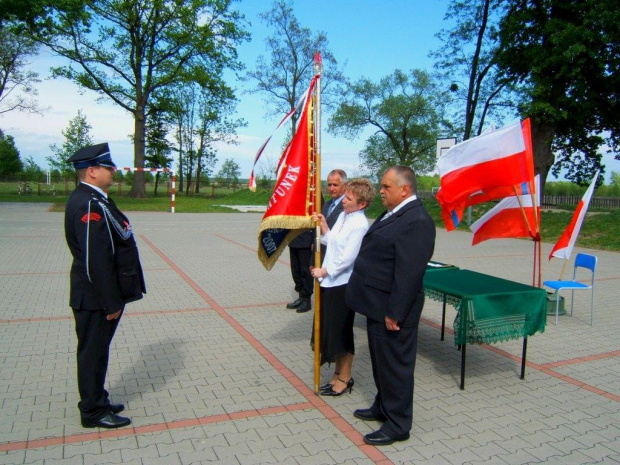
198 171
473 87
542 138
180 169
190 164
138 185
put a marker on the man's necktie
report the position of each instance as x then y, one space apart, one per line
331 208
387 215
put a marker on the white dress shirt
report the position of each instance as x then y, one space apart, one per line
411 198
343 243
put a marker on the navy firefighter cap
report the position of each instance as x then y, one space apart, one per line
93 155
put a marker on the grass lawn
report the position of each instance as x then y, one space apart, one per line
600 230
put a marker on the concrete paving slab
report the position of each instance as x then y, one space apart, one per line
213 369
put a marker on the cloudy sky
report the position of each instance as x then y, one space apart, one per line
369 38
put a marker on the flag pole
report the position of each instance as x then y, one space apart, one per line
533 233
537 239
527 222
318 69
563 269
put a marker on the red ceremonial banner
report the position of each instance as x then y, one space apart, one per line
290 208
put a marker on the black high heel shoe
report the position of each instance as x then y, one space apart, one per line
327 386
332 393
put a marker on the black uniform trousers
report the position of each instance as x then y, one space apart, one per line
393 356
301 259
94 335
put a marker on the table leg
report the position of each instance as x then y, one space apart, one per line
443 316
463 366
523 356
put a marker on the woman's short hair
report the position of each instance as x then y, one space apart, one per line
362 190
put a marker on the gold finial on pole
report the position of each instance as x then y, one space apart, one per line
318 63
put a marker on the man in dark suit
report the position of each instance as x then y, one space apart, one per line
333 207
301 248
386 286
105 275
300 253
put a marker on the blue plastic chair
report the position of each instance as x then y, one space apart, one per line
582 260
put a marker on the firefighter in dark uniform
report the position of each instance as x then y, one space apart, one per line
105 275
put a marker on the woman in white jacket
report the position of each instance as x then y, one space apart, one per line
342 244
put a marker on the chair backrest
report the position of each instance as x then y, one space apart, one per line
584 260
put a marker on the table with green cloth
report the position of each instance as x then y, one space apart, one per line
489 309
432 267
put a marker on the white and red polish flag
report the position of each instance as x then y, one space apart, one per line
493 165
508 218
564 246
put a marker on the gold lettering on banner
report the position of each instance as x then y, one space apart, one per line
287 183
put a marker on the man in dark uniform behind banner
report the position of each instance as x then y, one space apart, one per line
105 275
300 253
332 209
301 248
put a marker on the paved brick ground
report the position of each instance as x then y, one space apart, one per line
213 368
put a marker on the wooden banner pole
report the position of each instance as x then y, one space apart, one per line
318 65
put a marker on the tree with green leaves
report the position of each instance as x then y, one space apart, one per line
126 51
266 170
404 109
18 20
182 108
77 135
16 82
216 105
31 170
466 69
229 172
202 116
158 148
565 55
10 163
31 12
286 74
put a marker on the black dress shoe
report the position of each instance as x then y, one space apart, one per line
294 304
304 306
111 420
379 438
116 408
366 414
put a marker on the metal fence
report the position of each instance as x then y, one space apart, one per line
560 201
64 186
603 203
